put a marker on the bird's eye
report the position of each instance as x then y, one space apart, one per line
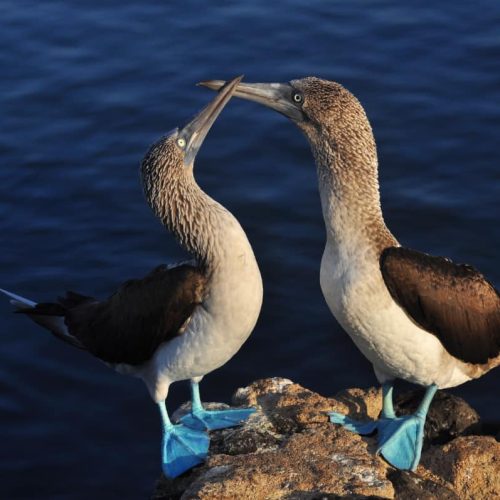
181 142
297 97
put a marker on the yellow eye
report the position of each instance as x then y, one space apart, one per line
181 142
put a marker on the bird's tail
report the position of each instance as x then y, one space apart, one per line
17 300
50 316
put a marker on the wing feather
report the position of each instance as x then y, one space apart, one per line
452 301
130 325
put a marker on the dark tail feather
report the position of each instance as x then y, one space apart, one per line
44 309
48 315
51 316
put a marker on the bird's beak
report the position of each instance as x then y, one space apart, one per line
277 96
197 129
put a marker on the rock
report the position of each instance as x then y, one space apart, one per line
303 467
289 450
470 464
410 485
292 408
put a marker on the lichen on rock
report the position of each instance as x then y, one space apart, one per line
289 450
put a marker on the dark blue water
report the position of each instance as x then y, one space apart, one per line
85 87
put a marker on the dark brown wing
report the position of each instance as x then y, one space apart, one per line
130 325
454 302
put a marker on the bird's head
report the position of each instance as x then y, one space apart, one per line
174 154
322 109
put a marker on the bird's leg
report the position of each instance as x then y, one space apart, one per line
387 406
182 448
400 439
196 405
199 418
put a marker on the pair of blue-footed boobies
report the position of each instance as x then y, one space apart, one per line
178 322
415 317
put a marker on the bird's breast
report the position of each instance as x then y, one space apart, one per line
220 324
359 300
236 291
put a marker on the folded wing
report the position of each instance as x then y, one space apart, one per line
130 325
454 302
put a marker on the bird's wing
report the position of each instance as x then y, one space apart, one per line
130 325
453 302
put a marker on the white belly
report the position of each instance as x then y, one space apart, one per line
217 329
358 298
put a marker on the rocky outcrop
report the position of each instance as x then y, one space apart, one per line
471 465
289 450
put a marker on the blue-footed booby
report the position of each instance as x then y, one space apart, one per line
416 317
178 322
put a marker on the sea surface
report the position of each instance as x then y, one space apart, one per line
86 87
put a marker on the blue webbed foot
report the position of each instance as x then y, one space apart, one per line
182 449
216 419
400 440
352 425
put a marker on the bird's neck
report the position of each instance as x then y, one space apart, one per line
202 226
349 190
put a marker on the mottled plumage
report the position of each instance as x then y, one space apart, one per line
174 196
415 317
177 323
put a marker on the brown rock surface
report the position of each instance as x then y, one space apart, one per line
470 464
289 450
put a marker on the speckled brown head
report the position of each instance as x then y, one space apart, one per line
168 180
172 156
324 110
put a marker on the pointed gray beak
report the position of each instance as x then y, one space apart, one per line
277 96
197 129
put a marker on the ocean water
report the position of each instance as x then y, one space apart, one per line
86 87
